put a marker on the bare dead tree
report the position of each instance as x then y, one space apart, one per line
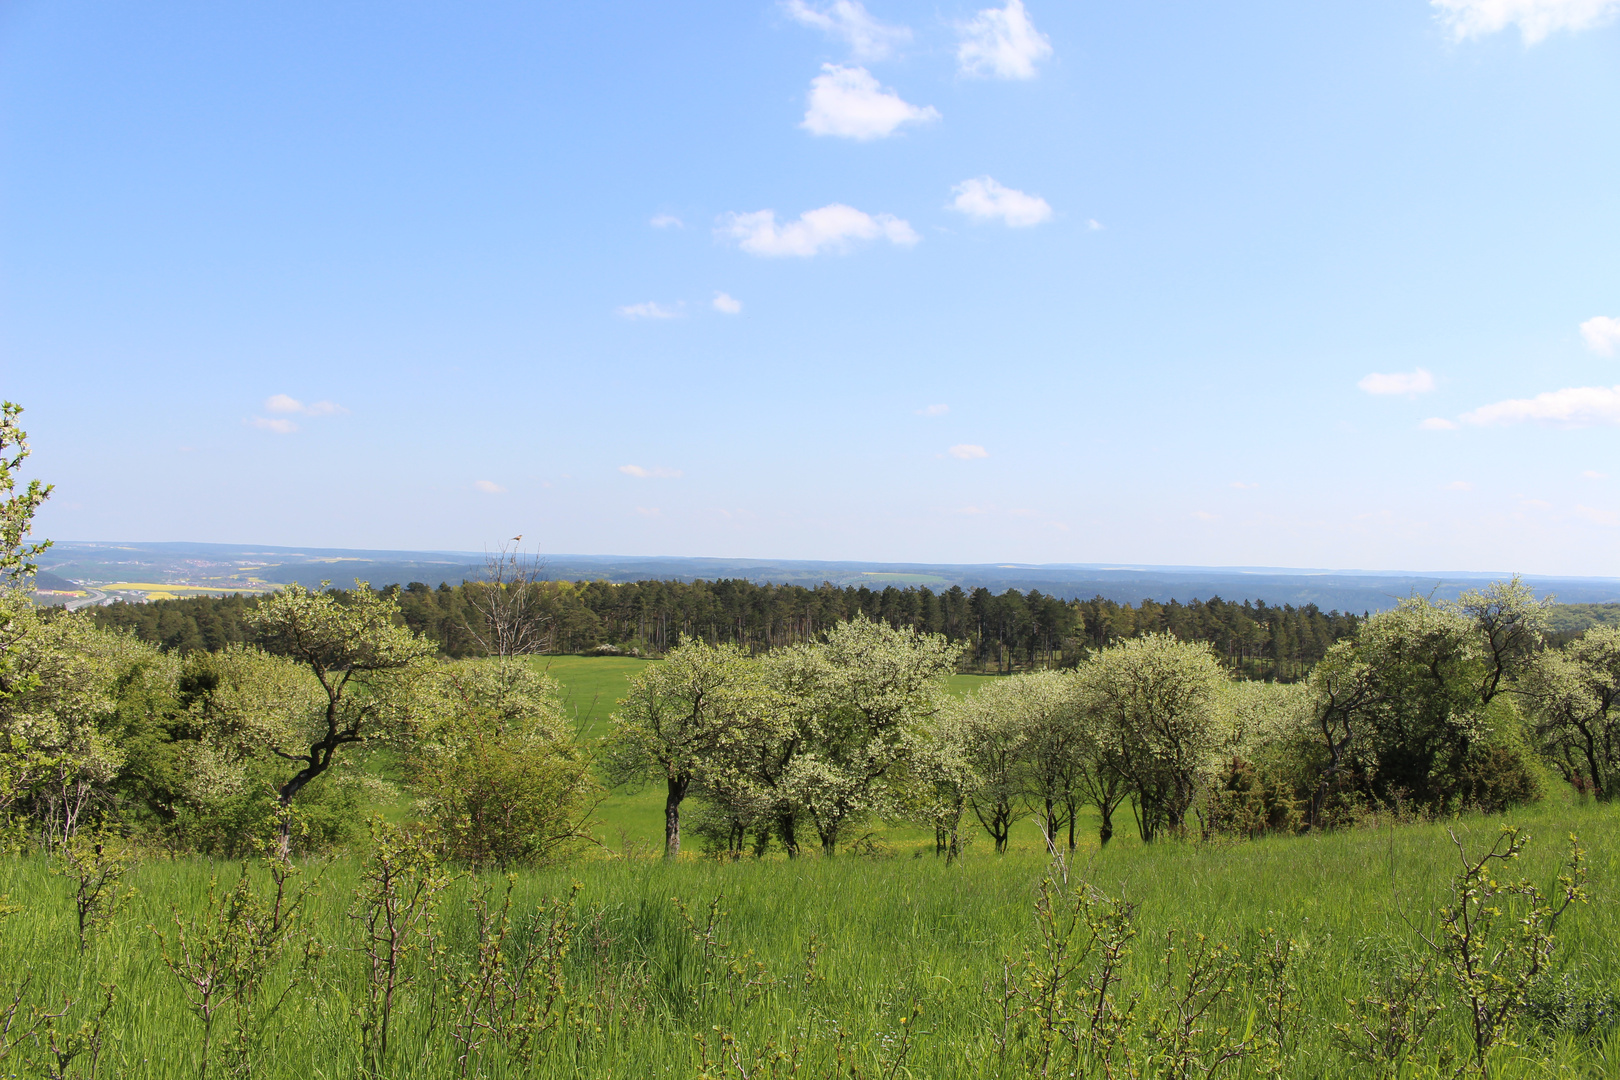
508 619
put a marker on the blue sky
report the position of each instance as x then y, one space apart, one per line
1261 283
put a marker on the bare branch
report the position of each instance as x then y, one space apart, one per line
509 620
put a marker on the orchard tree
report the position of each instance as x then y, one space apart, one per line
1052 765
1408 705
1100 780
696 712
940 782
993 737
1157 699
366 664
870 691
1575 697
62 736
208 778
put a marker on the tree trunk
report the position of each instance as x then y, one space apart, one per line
785 827
672 815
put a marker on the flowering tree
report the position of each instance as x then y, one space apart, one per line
694 714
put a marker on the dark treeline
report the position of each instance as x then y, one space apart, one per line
1003 632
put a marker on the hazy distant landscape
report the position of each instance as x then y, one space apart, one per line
133 570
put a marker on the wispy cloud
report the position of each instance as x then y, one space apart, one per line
666 221
968 451
1602 334
831 228
1459 485
1402 382
650 310
489 487
657 473
1534 18
986 199
1438 423
727 304
287 405
1001 42
1597 516
933 410
648 511
1204 515
849 103
1094 225
850 22
1243 486
1573 407
284 403
1593 474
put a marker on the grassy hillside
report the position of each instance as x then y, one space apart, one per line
894 938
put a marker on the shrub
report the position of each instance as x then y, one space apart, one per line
499 774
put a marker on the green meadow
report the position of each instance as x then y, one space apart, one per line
889 964
883 962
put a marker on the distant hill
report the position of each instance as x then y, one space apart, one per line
226 567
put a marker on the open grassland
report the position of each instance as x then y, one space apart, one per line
894 938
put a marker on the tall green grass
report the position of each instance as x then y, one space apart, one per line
894 933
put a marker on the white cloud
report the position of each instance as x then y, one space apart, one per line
489 487
1576 406
1598 517
658 473
985 199
1438 423
1602 334
1094 225
1534 18
933 410
650 310
727 304
648 511
968 451
1204 515
284 403
1243 486
1403 382
666 221
850 22
277 426
848 102
1002 42
1593 474
1459 485
831 228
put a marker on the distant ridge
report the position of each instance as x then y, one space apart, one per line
225 567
